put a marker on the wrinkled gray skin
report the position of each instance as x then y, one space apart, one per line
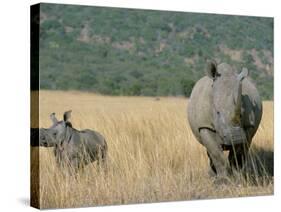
72 147
224 112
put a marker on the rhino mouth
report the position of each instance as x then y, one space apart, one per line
45 144
234 135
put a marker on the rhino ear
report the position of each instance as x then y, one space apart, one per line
211 70
67 115
53 118
244 73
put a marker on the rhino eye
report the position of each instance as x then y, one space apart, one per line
54 134
218 112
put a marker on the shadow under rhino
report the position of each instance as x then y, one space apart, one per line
260 164
257 171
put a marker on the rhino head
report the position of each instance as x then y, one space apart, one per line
56 133
226 104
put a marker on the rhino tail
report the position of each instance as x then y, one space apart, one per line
104 151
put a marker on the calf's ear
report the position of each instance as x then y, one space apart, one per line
67 115
53 118
211 70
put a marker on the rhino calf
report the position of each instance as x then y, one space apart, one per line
73 148
224 112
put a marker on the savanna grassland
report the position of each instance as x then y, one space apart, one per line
152 154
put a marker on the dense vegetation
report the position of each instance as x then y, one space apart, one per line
139 52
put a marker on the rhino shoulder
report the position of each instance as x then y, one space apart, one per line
251 105
199 105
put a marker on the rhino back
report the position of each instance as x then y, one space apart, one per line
199 106
92 139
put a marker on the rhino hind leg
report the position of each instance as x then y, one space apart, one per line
101 158
218 161
75 165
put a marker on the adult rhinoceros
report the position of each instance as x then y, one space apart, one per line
224 112
72 147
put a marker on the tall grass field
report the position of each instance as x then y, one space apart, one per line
152 154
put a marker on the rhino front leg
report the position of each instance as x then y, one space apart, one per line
213 168
75 165
218 161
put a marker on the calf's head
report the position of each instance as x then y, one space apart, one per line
56 133
226 102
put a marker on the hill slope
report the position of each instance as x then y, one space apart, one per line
141 52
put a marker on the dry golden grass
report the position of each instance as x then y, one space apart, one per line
152 155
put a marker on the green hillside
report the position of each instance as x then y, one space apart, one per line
140 52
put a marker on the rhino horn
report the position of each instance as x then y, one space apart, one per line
238 95
244 73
